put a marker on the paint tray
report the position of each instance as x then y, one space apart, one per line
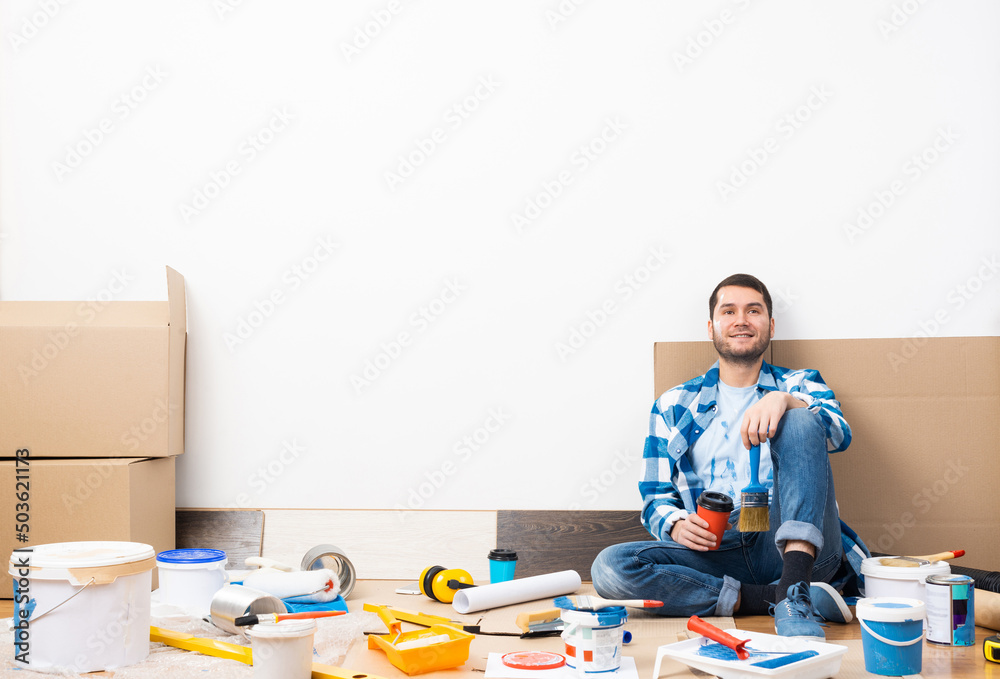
436 656
826 664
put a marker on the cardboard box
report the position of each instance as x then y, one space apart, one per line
123 499
94 379
922 470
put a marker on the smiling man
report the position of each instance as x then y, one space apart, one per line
699 438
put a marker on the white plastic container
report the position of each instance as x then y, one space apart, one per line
593 639
189 578
898 581
892 629
282 650
82 606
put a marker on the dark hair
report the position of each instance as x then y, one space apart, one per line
740 280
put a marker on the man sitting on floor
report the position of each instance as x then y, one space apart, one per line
699 438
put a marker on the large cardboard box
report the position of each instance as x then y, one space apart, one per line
123 499
922 470
94 379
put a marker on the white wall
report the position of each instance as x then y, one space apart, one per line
809 112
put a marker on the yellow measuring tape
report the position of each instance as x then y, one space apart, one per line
991 648
243 654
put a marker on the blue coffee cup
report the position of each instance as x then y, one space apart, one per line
502 564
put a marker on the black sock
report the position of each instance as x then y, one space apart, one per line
756 599
798 567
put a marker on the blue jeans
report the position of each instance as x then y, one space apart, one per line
688 582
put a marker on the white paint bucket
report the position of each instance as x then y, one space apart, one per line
282 650
898 581
594 639
82 606
189 578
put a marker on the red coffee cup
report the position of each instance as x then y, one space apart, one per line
715 508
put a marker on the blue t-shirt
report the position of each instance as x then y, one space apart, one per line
718 456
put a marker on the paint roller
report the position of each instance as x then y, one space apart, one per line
319 586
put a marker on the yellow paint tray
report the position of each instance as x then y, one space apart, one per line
439 655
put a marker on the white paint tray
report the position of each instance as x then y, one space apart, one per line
826 664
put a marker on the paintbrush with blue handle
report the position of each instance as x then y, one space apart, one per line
754 508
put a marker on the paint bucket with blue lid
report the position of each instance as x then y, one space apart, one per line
594 638
892 629
189 578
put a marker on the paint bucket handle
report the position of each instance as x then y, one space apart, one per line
885 640
36 618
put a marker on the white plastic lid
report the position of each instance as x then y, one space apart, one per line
282 629
890 609
873 566
67 555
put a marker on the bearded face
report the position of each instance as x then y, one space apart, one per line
740 328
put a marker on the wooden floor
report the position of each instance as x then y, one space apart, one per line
938 661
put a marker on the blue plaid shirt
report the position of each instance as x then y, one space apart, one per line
670 487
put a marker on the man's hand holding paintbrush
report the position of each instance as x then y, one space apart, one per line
759 424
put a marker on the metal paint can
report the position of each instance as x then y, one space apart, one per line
333 558
951 619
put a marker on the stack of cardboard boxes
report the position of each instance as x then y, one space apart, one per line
91 420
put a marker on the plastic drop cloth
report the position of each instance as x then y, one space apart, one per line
331 642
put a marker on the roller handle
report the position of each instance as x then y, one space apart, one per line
264 562
707 629
395 627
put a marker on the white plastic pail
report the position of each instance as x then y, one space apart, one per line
282 650
898 581
82 606
189 578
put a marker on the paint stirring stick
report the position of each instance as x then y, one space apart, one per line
245 620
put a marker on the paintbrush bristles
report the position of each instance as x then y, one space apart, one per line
754 520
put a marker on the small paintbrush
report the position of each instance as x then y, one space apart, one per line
753 500
590 602
915 561
245 620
